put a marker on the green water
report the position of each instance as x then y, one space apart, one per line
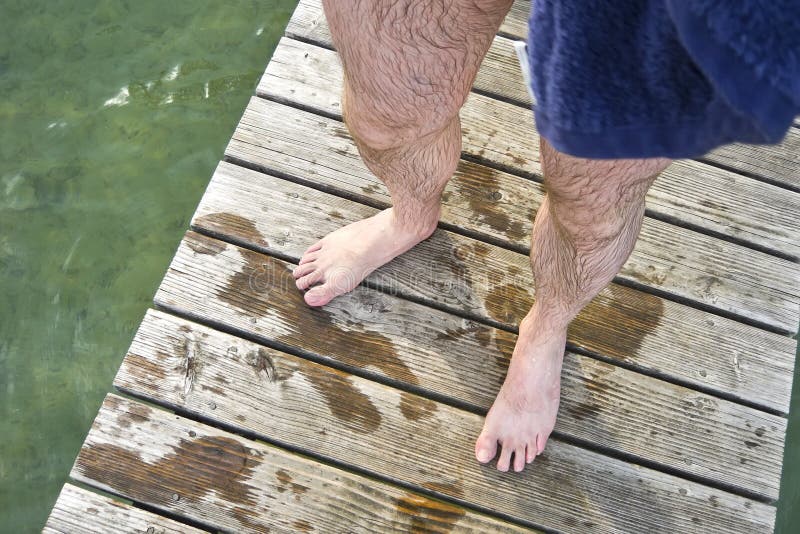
113 115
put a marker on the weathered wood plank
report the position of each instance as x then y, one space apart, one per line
479 280
500 207
380 336
688 191
779 164
79 511
412 439
500 76
239 485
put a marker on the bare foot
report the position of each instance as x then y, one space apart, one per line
524 413
342 259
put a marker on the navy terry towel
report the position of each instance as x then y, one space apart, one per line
663 78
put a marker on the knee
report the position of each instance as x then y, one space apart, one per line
601 193
593 209
380 122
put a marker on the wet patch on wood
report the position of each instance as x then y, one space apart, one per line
508 303
481 333
229 223
352 407
210 247
589 406
413 407
504 343
428 515
194 468
265 283
481 188
247 290
617 322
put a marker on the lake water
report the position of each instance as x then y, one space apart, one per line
113 115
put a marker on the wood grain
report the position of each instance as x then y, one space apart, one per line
500 207
400 342
495 285
414 440
500 77
238 485
80 511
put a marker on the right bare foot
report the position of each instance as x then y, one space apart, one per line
338 262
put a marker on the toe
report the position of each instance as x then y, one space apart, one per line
308 257
313 248
302 270
541 441
309 280
485 448
320 295
505 458
530 452
519 458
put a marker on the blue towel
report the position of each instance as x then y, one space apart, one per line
663 78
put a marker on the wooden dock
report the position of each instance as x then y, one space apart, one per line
244 410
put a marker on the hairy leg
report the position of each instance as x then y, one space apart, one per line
408 68
583 233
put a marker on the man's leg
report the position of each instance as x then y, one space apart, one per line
408 66
583 233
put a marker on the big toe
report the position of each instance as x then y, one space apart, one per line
485 447
320 295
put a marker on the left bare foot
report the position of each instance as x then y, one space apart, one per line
524 413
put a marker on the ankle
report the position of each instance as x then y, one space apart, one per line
538 327
421 223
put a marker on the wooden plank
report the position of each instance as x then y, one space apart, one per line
500 207
80 511
500 76
688 191
239 485
411 439
393 340
476 279
778 164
